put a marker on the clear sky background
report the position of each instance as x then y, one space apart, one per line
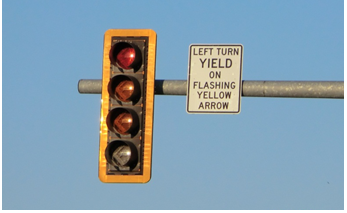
278 153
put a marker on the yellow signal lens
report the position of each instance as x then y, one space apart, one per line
125 88
123 121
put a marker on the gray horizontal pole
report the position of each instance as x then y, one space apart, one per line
283 89
294 89
89 86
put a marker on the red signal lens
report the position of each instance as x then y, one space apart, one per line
126 57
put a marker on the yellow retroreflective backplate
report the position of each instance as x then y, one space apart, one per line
148 129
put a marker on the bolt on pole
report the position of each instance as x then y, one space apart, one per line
279 89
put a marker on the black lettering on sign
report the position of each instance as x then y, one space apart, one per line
214 95
228 63
213 105
213 63
232 85
202 62
235 51
216 74
206 50
228 51
216 62
199 94
214 85
202 51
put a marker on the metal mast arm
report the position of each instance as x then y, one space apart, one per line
281 89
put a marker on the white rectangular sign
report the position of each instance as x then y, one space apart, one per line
214 78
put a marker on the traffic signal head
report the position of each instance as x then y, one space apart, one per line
126 123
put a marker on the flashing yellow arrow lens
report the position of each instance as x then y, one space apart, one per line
123 122
124 90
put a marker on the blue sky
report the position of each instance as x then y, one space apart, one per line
277 153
